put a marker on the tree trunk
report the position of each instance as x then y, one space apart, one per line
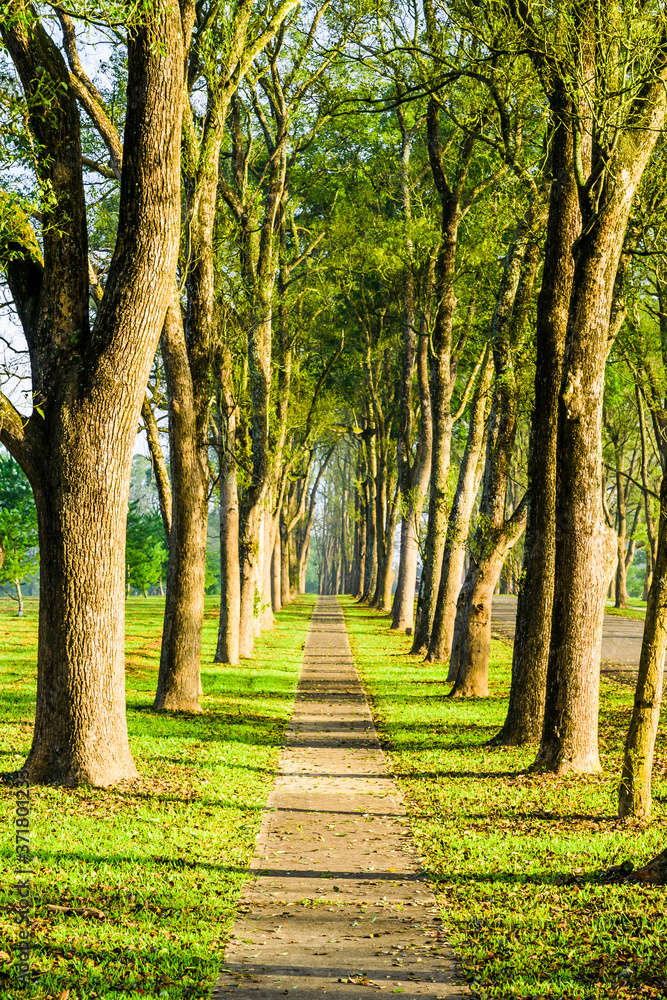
276 574
496 534
252 539
525 713
19 598
654 873
370 581
267 621
585 546
404 599
230 581
361 572
442 431
442 376
80 728
440 646
651 546
392 517
159 466
285 550
441 392
180 657
472 679
635 788
621 600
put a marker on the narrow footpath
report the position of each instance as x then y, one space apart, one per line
338 903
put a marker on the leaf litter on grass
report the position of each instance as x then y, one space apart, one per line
163 857
514 856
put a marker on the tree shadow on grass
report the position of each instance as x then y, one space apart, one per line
460 774
251 730
432 743
148 862
554 878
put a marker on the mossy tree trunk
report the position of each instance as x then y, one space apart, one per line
525 713
470 472
496 533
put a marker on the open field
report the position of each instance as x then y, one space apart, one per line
163 858
512 855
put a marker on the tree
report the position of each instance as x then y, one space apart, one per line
497 531
222 52
88 379
605 148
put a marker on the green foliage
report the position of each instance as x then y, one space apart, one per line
145 548
637 574
18 524
212 578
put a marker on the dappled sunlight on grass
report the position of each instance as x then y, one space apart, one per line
164 857
513 855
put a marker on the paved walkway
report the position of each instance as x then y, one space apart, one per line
338 905
621 638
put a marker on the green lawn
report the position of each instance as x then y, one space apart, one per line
636 609
164 858
513 855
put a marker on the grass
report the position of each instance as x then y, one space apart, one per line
636 609
513 855
165 857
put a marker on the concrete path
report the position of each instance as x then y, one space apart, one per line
621 638
338 904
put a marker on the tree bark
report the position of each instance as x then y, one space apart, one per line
230 580
525 713
496 534
654 873
392 517
180 657
472 680
404 599
585 547
276 574
635 787
441 377
285 550
159 465
259 349
440 646
621 597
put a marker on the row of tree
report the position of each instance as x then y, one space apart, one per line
561 402
391 249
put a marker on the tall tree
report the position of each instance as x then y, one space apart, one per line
606 146
88 380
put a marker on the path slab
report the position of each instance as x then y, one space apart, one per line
338 904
